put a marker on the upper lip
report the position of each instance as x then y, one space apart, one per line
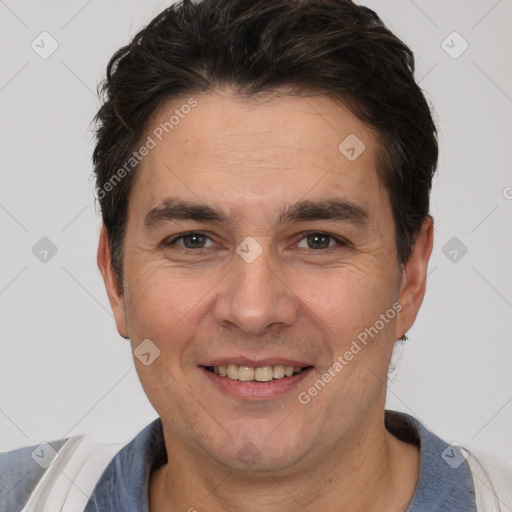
244 361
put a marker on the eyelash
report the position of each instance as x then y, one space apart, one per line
340 242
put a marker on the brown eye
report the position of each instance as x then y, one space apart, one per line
192 240
316 241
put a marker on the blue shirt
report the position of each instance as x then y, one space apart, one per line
445 483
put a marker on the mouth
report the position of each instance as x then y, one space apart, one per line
252 381
266 373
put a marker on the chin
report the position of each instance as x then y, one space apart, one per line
257 449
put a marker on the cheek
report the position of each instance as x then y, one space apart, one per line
349 309
163 303
347 300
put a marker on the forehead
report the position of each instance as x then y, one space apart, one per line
242 152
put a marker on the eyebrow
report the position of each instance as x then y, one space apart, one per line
339 210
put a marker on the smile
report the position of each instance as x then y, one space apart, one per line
265 373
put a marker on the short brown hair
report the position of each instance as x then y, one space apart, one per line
255 46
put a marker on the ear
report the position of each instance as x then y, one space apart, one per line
414 278
112 285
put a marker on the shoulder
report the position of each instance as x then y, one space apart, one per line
44 476
22 469
492 479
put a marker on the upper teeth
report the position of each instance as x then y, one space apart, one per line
260 373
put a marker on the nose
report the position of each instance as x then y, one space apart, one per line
255 297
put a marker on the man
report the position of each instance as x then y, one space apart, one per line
263 170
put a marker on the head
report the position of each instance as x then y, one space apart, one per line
293 137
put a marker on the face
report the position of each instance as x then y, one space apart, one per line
258 246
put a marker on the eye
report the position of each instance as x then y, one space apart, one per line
317 240
314 240
191 240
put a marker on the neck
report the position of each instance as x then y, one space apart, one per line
374 471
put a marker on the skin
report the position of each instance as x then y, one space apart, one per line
296 300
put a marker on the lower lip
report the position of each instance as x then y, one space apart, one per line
256 390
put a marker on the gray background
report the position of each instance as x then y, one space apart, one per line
63 368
